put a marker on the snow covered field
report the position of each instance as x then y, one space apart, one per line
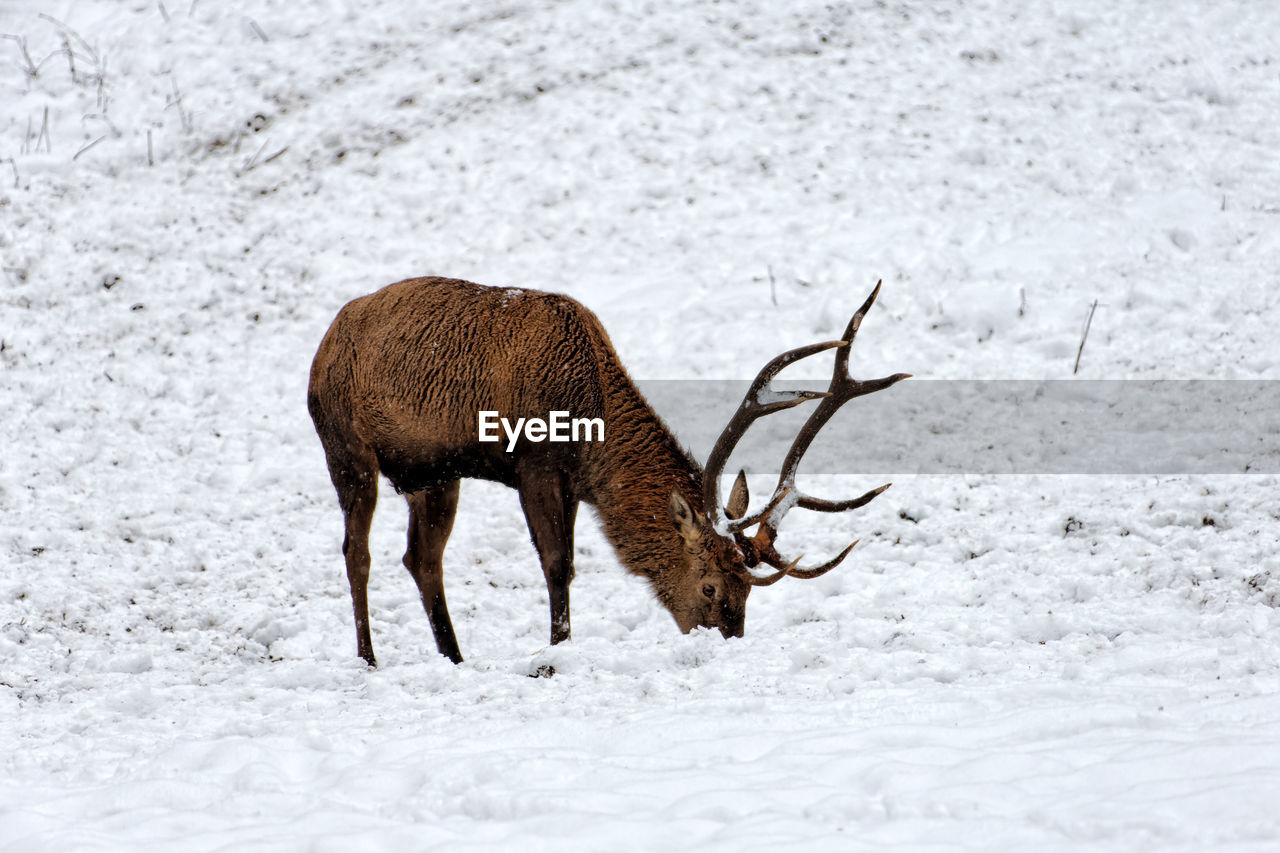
189 191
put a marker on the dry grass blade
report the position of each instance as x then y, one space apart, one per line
28 66
1084 337
87 147
68 33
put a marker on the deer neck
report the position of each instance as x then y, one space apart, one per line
634 472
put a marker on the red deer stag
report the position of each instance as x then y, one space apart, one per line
397 387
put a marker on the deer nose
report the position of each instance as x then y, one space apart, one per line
732 630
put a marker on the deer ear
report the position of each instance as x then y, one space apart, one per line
683 518
739 497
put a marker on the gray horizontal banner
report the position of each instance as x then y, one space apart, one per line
1000 427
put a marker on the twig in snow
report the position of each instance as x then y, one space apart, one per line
87 147
257 29
50 55
277 154
67 32
44 134
164 13
71 57
31 68
150 160
1088 322
253 161
101 94
183 117
773 287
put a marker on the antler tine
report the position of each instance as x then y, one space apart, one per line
851 331
804 502
819 505
770 580
807 574
751 408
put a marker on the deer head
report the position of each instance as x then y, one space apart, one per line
720 558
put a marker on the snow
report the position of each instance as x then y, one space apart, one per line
1026 661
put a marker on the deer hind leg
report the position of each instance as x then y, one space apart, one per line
431 514
357 484
550 509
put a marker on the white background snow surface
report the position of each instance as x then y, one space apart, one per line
1005 662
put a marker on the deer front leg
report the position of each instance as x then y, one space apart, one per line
550 509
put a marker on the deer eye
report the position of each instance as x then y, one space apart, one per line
709 591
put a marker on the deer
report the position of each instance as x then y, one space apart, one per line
395 388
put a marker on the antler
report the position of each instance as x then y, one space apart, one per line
752 407
769 580
843 388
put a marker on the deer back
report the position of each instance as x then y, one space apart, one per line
406 371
